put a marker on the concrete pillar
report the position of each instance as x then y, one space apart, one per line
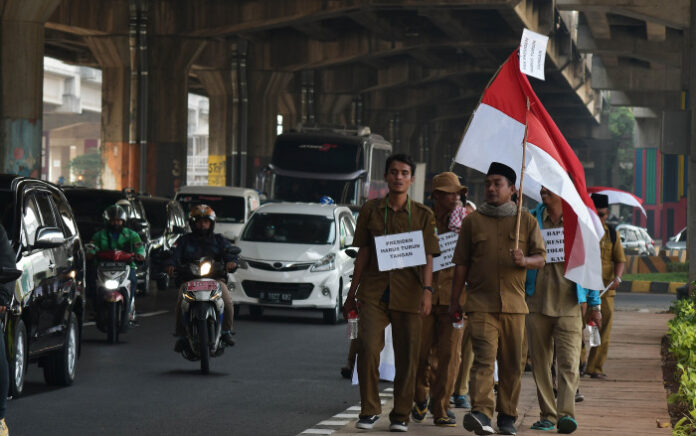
265 91
167 94
120 160
21 67
691 194
222 124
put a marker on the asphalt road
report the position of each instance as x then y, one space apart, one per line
281 378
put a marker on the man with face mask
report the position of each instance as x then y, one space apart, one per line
203 242
115 236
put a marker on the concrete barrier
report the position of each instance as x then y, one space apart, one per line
649 264
647 287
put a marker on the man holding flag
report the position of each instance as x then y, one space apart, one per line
493 262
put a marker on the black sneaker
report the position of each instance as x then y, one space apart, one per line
366 422
419 411
398 426
462 402
227 338
579 397
478 423
506 424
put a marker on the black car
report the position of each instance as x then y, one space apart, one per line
45 318
89 205
168 222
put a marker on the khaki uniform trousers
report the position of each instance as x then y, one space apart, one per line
444 341
598 355
461 385
227 317
406 335
496 336
565 333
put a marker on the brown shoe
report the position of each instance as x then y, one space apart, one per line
598 375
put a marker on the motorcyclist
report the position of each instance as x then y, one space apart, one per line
203 242
115 236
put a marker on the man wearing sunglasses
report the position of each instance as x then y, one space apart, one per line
613 263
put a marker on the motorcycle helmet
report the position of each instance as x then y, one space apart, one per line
114 211
199 212
326 200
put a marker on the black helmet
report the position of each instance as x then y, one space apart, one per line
114 211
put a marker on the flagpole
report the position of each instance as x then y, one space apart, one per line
519 194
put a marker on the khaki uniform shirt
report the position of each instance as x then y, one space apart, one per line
442 280
554 295
405 285
610 255
495 283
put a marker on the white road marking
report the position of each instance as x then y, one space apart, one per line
389 390
354 408
140 315
318 431
346 415
334 423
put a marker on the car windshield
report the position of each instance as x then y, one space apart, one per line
290 228
7 212
312 190
88 207
228 208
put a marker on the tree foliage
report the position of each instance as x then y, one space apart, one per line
87 168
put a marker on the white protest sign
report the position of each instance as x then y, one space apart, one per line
448 241
533 53
555 248
400 250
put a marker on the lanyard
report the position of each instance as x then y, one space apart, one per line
408 200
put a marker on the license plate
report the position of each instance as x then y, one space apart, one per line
202 285
276 297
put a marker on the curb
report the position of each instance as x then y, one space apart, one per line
647 287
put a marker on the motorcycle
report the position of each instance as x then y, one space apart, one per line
202 310
114 290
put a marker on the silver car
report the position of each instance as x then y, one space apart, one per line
678 241
636 240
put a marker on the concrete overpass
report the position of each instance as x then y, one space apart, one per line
411 69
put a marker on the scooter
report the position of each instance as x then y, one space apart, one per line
114 291
202 310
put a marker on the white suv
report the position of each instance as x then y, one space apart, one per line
296 255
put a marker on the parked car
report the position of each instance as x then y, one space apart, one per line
296 255
678 241
167 223
89 205
636 240
233 206
45 319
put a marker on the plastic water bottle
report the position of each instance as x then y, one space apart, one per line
459 323
353 324
592 334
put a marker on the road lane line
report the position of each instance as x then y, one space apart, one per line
339 423
318 431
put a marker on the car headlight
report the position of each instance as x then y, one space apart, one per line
205 268
327 263
111 284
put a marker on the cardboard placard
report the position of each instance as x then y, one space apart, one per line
448 241
533 53
400 250
554 241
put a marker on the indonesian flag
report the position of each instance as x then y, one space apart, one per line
618 196
495 134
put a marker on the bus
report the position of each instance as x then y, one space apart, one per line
346 165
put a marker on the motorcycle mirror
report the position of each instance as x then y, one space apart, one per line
352 252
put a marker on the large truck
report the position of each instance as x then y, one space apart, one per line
311 163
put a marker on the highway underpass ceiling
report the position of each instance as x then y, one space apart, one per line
395 47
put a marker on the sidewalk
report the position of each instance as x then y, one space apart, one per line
629 403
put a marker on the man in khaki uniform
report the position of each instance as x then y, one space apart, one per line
399 296
494 271
461 384
613 263
555 322
438 334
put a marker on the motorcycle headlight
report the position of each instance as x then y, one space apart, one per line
189 295
205 268
111 284
327 263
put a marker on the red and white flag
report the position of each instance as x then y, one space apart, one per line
617 196
495 134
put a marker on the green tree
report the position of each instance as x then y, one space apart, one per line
87 168
621 123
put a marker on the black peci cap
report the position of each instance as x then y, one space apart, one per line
500 169
601 201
